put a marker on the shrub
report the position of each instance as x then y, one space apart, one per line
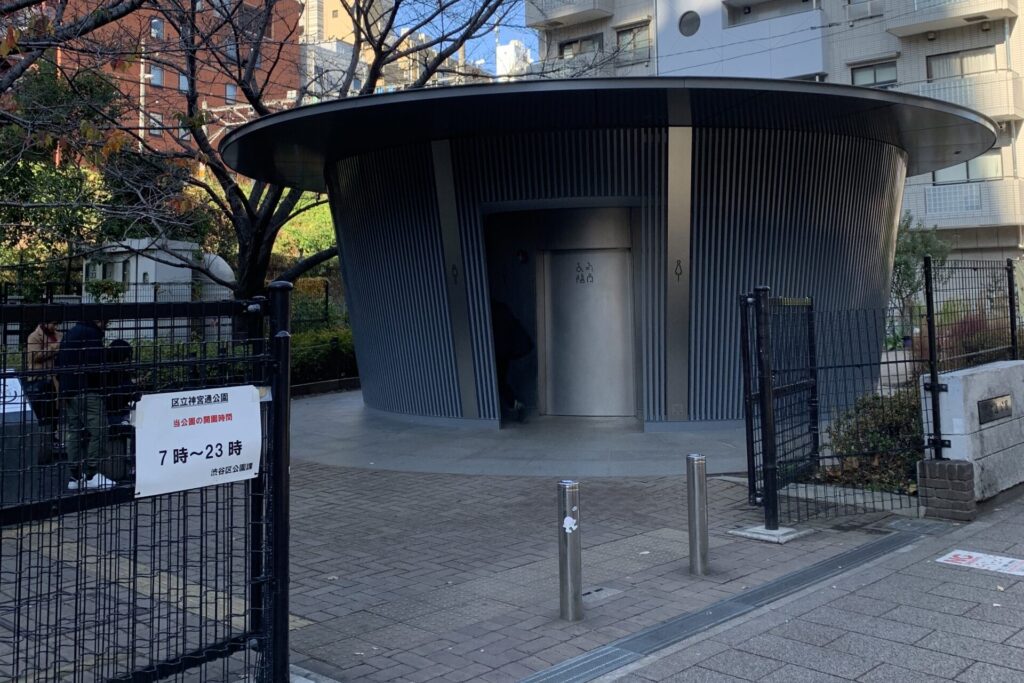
966 337
878 443
323 354
105 291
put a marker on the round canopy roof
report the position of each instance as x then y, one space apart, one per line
291 148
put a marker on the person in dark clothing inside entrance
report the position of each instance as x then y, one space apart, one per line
82 384
511 341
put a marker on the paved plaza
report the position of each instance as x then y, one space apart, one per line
415 576
903 618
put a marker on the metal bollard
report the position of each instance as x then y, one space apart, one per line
570 550
697 508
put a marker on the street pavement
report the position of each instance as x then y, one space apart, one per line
416 576
903 618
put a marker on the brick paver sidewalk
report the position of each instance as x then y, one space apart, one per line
406 576
903 618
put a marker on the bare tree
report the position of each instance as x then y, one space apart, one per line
188 70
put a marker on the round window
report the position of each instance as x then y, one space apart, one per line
689 23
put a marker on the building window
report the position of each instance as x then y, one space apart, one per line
634 41
988 166
580 46
125 272
182 82
90 271
334 14
156 125
879 75
184 133
145 277
107 271
156 29
155 75
961 63
230 93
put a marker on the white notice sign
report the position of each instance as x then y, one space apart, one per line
12 398
191 439
993 563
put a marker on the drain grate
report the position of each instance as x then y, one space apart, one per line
618 654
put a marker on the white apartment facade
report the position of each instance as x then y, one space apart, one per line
964 51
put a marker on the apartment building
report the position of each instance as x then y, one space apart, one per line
155 82
965 52
962 51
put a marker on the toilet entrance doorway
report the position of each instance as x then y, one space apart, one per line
566 276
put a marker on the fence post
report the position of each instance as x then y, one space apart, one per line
280 464
1011 298
933 358
766 395
748 409
327 301
812 376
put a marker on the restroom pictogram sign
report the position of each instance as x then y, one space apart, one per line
584 273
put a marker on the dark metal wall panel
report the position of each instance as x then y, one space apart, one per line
386 217
808 214
576 167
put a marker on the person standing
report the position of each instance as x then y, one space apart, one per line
80 368
41 349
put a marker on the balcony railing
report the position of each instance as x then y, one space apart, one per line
998 94
966 205
914 17
597 64
864 9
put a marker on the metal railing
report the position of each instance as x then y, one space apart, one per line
997 93
840 406
594 64
101 580
969 204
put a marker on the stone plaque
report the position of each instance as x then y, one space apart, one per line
992 409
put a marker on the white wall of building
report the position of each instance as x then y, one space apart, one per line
784 46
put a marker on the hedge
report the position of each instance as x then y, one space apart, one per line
323 354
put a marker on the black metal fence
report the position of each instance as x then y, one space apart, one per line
841 405
98 580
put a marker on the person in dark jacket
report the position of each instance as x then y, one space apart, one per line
511 342
81 373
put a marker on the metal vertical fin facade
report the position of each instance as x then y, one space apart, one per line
805 213
624 167
387 223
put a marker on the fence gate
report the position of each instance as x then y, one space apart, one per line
833 424
107 574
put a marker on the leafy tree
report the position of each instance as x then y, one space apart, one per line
914 241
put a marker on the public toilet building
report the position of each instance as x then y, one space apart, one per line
617 220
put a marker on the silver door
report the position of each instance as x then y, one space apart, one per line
588 333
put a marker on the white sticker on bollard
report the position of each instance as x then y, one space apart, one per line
191 439
993 563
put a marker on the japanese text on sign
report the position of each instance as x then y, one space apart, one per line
197 438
